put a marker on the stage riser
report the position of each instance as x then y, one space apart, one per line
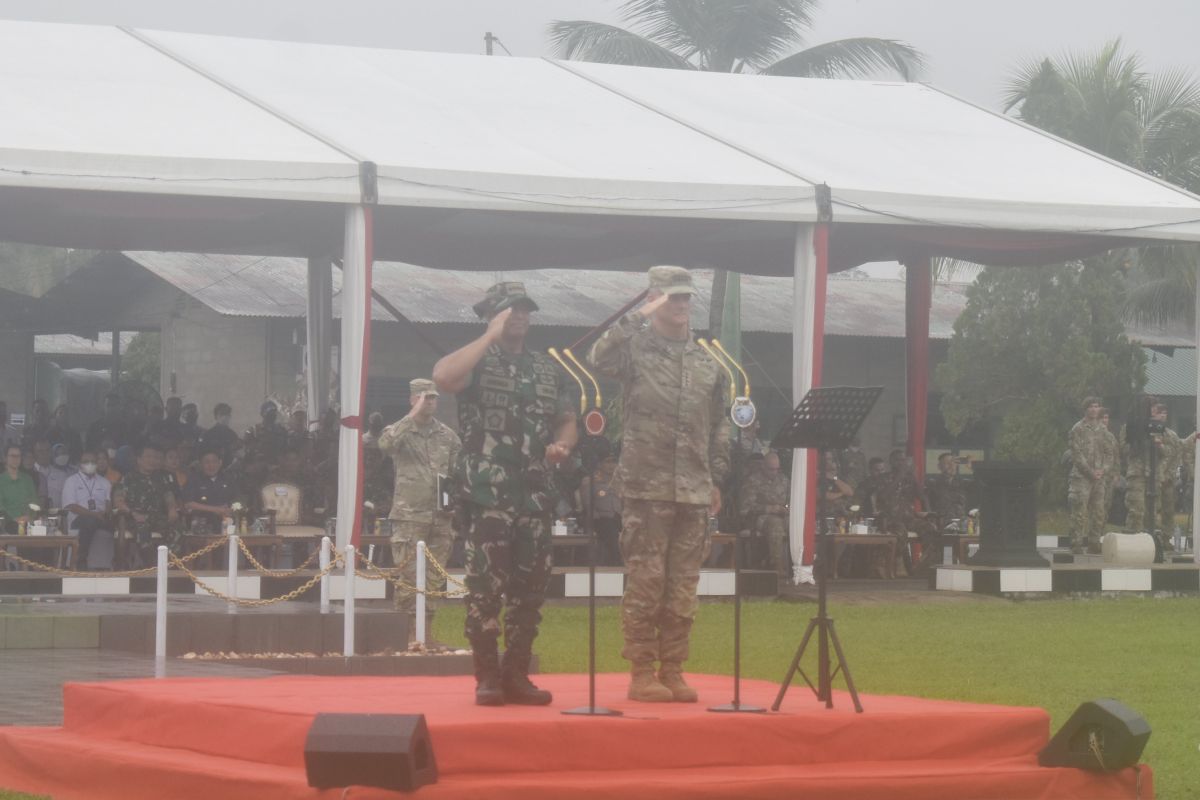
1176 579
563 584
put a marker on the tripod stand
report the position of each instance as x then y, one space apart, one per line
826 419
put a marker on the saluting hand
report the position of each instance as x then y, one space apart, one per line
653 305
496 325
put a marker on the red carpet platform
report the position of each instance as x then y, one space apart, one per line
205 739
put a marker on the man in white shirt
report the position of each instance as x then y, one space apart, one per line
86 497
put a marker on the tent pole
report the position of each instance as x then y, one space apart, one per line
808 287
918 295
318 321
355 355
1196 444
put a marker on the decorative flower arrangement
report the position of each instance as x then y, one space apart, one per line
35 509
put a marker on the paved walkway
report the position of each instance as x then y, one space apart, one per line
31 693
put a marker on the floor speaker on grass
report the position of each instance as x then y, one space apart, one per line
386 751
1102 735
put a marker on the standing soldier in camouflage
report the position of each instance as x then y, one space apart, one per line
674 454
764 503
1111 462
1136 441
516 419
421 449
1085 486
1169 460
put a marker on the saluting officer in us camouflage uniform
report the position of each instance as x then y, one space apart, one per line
674 453
1085 485
516 423
421 448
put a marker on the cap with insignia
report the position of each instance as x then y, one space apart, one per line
421 386
501 296
671 280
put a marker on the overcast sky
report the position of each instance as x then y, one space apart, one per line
971 45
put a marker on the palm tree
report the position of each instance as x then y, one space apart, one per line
1107 102
729 36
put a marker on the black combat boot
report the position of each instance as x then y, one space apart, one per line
488 691
518 689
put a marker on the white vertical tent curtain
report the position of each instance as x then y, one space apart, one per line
355 351
804 337
319 329
1196 444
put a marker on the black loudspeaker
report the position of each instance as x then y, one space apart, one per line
1102 735
386 751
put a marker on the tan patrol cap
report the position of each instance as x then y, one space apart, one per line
671 280
421 386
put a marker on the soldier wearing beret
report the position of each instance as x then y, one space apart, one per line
674 454
421 448
516 420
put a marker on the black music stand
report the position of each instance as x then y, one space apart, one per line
826 419
592 450
737 706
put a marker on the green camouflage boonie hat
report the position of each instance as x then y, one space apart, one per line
501 296
671 280
421 386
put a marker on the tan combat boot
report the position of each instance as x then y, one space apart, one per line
645 688
671 676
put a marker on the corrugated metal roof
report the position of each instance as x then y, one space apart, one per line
1171 375
66 344
274 287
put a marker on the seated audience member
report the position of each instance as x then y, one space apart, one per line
109 428
191 416
852 464
9 433
30 467
208 497
379 473
173 465
87 496
220 438
267 438
765 498
56 476
104 465
61 432
865 494
17 490
897 497
168 430
299 437
145 496
947 494
38 425
838 494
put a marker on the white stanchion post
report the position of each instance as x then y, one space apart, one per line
160 616
231 580
348 632
326 550
421 566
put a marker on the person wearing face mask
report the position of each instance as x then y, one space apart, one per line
61 432
86 497
105 454
220 438
56 475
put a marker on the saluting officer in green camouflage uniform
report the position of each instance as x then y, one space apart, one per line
1085 486
516 420
674 454
421 448
146 495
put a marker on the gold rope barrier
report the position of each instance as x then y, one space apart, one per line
292 595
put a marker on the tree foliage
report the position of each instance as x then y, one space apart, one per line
1031 344
142 360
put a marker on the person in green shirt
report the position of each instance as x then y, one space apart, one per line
17 491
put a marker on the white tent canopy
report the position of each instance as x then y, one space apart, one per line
139 140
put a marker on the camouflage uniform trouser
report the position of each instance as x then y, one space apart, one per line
508 559
1085 499
439 540
1099 517
663 545
1166 507
775 528
1135 504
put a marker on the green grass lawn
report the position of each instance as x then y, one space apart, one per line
1054 654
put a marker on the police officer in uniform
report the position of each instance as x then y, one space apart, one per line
516 420
674 455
